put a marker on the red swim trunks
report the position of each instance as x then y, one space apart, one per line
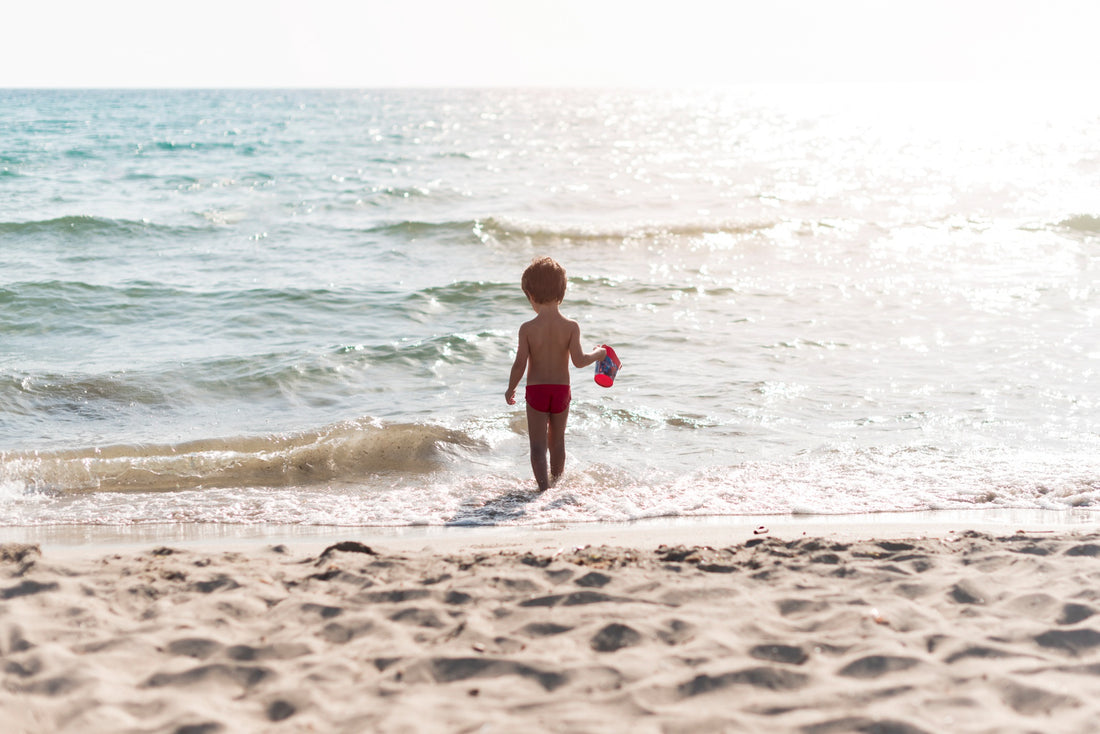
548 398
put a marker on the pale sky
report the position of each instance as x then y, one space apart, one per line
471 43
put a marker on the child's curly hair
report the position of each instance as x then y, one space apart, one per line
544 281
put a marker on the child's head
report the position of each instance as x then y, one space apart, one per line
544 281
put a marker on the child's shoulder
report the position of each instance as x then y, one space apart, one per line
558 320
555 317
550 319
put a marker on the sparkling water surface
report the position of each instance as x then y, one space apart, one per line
301 306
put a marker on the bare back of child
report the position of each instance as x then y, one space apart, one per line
547 344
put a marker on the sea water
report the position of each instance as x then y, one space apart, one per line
300 307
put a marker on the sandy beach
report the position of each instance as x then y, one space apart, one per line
772 631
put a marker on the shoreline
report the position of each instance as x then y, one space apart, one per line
705 530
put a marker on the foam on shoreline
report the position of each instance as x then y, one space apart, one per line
685 530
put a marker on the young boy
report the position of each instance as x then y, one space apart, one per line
546 345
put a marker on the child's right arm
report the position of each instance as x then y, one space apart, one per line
518 368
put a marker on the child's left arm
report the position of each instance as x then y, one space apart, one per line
578 355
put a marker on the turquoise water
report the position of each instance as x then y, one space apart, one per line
301 306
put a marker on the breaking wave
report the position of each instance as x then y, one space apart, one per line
343 452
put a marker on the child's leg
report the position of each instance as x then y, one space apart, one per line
555 439
538 431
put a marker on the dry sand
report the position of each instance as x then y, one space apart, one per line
950 632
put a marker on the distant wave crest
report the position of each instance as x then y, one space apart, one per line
1082 223
90 226
540 231
493 229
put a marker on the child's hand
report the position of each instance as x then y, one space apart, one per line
510 396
